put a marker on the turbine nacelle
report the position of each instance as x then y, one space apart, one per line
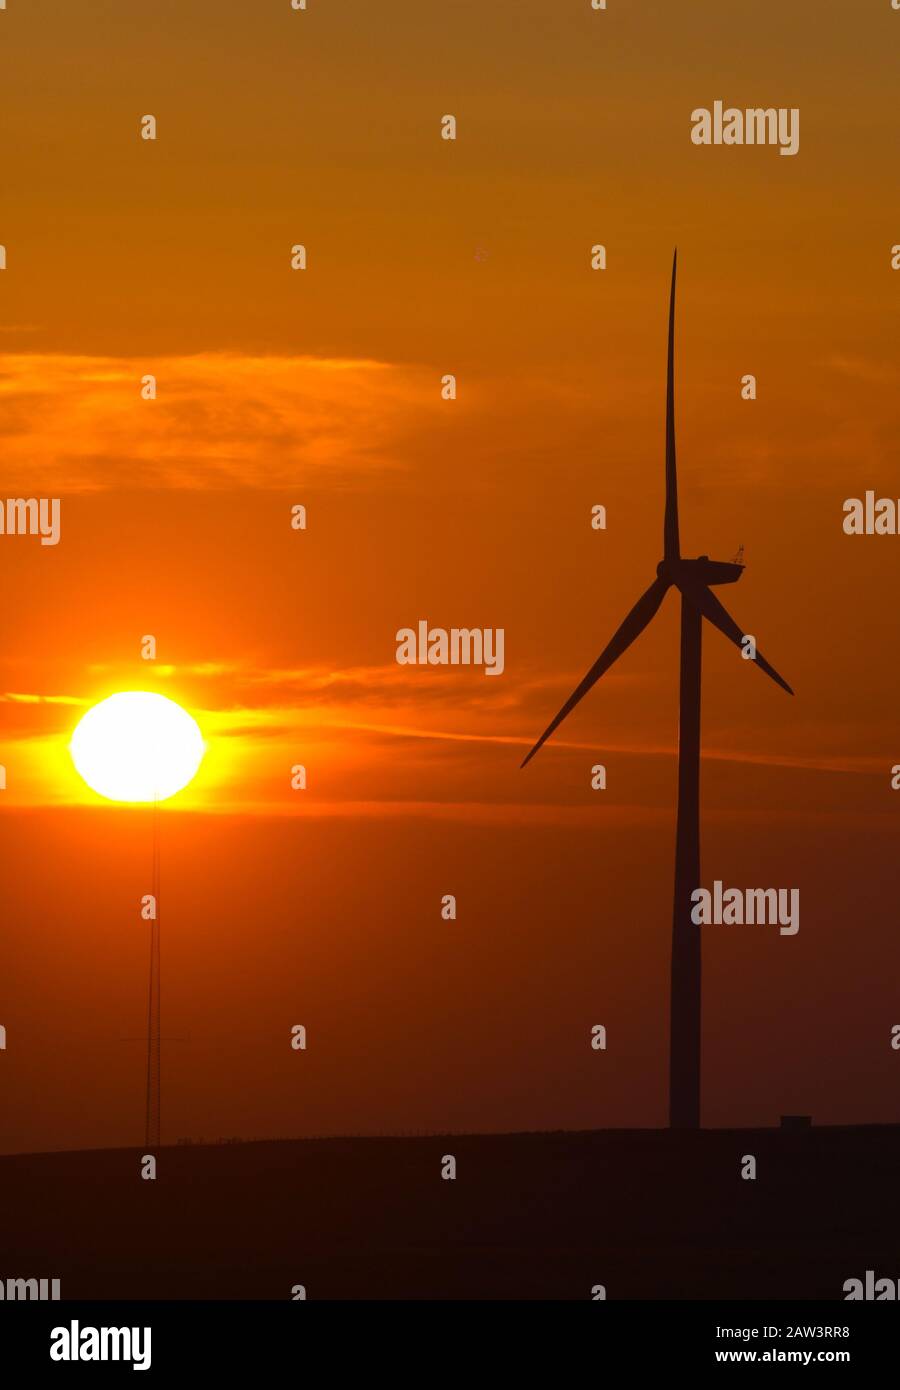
703 570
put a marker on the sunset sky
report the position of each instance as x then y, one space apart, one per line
323 387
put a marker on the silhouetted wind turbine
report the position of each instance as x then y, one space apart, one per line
694 580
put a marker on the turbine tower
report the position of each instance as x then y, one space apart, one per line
694 580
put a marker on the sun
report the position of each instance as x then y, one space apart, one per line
137 746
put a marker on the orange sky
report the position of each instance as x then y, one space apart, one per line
126 257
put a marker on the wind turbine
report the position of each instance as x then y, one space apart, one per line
694 579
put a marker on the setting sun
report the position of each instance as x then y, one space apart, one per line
137 746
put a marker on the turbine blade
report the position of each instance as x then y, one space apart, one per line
671 545
704 599
632 627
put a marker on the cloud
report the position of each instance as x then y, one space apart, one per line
252 706
15 698
73 423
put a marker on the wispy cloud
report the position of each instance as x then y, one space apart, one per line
249 708
80 423
17 698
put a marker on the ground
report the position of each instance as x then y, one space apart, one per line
645 1213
